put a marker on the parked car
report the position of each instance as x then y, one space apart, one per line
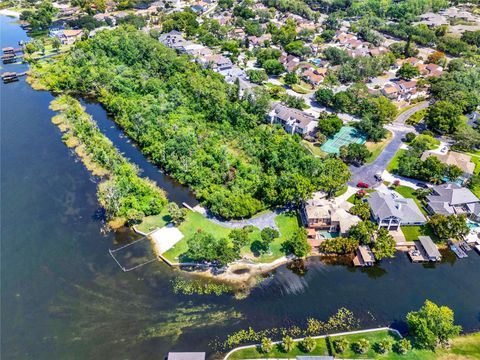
378 176
362 185
444 149
422 185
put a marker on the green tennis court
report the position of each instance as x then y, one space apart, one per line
346 135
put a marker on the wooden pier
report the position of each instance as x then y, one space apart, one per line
9 77
457 250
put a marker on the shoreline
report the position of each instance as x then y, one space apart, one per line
10 13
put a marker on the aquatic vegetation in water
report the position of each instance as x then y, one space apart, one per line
342 320
197 287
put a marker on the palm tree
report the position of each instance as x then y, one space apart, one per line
287 344
266 345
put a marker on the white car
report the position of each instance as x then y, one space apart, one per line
444 149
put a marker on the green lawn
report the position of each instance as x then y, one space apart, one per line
278 353
287 223
413 232
314 148
462 348
341 191
372 337
150 223
416 118
194 222
430 140
393 164
377 148
408 192
353 200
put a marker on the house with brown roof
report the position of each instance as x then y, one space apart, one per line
391 91
68 37
463 161
312 77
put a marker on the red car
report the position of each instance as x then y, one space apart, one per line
362 185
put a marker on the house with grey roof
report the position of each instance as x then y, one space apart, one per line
391 213
450 198
294 121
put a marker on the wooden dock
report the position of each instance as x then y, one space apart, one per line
9 77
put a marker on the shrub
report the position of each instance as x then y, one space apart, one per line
287 344
402 346
266 345
361 346
409 137
308 344
340 345
383 346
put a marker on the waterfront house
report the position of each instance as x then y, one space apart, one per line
450 198
391 213
462 161
321 214
364 256
294 121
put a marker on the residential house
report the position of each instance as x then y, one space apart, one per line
313 77
68 37
238 33
294 121
463 161
173 39
321 214
451 198
391 213
377 51
217 62
290 62
259 41
391 91
409 90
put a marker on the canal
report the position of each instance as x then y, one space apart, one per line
63 297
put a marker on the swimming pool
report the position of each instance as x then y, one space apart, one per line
329 234
472 225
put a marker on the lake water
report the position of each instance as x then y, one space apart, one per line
63 297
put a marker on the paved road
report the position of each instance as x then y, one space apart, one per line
367 173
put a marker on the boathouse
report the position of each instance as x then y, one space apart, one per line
364 256
426 250
186 356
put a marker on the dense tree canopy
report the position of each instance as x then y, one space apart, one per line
432 325
192 124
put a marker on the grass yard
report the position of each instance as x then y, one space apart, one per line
462 348
377 148
278 353
353 200
341 191
409 193
393 164
430 140
413 232
416 118
314 149
287 223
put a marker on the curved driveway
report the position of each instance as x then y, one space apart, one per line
366 173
